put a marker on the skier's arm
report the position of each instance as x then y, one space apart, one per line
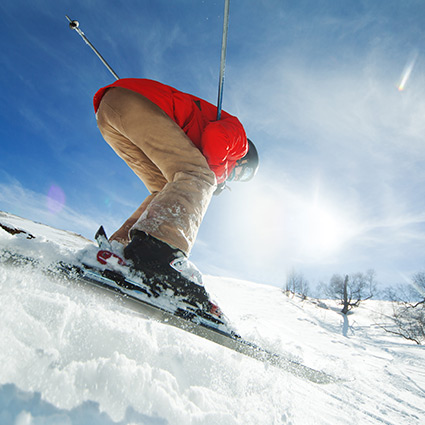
223 143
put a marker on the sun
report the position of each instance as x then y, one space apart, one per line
291 225
323 230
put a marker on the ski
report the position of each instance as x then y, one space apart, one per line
154 298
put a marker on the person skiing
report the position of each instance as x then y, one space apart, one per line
174 144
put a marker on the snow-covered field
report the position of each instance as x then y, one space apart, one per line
69 355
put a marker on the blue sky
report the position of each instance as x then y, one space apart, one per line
332 93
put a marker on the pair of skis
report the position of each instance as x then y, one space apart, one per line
184 304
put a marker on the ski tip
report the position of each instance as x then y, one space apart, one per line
100 233
102 239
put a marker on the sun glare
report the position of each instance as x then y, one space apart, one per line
294 227
323 230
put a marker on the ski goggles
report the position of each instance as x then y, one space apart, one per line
242 172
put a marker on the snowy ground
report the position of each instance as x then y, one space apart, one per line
71 356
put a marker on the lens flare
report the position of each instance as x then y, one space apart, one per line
407 71
55 199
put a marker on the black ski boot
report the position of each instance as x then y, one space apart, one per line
167 268
149 254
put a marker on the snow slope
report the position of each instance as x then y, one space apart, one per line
69 355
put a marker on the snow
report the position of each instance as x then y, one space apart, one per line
70 355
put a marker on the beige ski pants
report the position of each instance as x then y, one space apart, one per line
174 171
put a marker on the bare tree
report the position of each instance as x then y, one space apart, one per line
296 284
408 317
352 289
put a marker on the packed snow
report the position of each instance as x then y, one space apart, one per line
72 355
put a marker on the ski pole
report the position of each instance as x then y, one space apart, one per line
223 58
74 25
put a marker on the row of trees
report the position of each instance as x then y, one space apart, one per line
408 316
350 290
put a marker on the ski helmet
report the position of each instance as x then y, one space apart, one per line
246 167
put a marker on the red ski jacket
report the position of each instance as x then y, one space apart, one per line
221 142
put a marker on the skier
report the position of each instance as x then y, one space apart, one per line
174 144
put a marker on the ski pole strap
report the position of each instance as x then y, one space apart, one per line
74 25
223 57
